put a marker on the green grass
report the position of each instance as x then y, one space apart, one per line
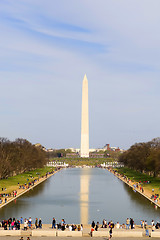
12 182
137 176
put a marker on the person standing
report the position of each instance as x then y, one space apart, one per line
9 223
53 223
127 223
36 223
30 222
93 224
40 223
131 223
143 224
25 224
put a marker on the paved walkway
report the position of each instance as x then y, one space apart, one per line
73 238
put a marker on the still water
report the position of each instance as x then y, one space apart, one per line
80 195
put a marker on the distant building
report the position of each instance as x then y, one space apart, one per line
75 152
107 147
115 149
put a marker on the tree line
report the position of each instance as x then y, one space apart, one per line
19 156
59 153
144 157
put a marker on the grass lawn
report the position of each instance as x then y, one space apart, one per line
137 176
12 182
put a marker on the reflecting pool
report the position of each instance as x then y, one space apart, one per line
80 195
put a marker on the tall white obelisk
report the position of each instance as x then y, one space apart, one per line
84 152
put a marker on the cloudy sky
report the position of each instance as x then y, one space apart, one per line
46 47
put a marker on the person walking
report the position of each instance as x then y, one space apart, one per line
147 230
110 233
30 222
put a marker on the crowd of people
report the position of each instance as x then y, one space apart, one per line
15 224
95 227
62 226
128 225
5 196
28 223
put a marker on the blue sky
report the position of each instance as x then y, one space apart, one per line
46 47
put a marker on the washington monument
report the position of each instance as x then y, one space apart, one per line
84 151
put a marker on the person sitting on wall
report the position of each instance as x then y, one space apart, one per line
92 229
97 226
5 225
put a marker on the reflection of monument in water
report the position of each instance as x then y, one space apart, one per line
84 196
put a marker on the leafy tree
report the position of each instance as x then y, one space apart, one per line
143 157
19 156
